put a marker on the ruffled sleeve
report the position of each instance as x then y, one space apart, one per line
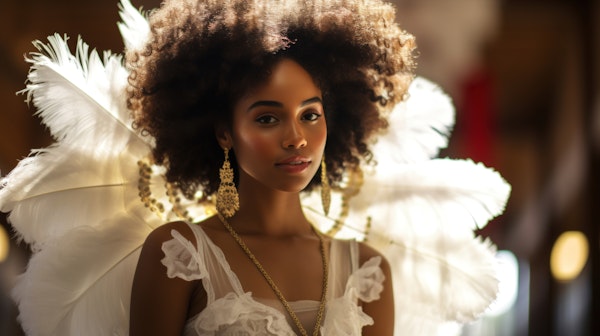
366 283
182 259
344 316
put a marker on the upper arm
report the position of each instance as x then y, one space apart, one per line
381 310
159 304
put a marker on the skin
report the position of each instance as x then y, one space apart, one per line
279 121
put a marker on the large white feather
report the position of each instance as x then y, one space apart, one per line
81 100
134 26
63 188
440 279
419 126
423 198
79 97
82 283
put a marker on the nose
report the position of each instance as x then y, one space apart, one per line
294 137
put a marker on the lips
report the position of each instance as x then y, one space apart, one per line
296 164
294 161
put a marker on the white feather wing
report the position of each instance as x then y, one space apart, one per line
422 213
439 195
82 282
437 280
76 202
64 188
79 180
422 217
81 98
419 126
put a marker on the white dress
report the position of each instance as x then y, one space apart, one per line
231 311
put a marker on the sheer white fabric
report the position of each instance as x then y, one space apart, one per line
231 311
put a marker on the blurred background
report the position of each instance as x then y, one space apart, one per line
524 75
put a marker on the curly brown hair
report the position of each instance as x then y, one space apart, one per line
202 55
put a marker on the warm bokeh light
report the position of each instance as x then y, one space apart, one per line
569 255
4 244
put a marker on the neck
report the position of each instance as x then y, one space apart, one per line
270 212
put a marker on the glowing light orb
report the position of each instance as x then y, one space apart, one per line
569 255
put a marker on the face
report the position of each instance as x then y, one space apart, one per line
279 130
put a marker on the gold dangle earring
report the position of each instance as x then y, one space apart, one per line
325 188
228 201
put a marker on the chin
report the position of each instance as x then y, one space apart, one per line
294 188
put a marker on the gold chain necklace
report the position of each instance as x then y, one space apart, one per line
276 290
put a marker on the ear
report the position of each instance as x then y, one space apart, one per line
223 135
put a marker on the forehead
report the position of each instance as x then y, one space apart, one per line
287 81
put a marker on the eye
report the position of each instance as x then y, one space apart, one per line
311 115
266 119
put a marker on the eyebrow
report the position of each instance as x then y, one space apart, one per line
272 103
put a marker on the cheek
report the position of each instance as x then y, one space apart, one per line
256 146
252 145
320 136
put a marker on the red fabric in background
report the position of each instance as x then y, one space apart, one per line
477 117
477 126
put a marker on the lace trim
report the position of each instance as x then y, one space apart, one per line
241 314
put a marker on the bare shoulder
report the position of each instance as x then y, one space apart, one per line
381 309
164 233
152 287
367 252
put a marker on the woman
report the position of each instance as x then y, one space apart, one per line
289 96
